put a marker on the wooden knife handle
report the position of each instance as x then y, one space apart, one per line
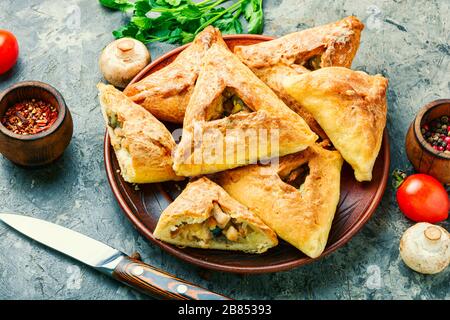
159 284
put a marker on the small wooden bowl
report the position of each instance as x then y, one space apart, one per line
41 148
421 154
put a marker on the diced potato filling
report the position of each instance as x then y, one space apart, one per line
232 234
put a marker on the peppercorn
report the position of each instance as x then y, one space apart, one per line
437 133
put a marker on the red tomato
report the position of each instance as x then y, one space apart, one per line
422 198
9 51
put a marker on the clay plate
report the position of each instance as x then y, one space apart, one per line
143 206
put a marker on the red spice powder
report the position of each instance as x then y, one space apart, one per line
30 117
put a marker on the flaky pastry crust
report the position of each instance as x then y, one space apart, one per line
273 61
142 144
166 92
303 216
222 71
351 107
184 210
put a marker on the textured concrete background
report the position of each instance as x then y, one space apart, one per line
406 41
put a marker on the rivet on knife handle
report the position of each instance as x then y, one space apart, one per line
159 284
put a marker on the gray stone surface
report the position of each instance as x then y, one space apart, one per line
407 41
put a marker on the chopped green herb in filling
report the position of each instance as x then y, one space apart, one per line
113 121
217 232
233 104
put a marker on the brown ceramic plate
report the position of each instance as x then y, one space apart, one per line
143 207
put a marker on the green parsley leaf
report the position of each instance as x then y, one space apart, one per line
141 7
179 21
122 5
253 12
142 23
128 30
187 37
174 3
229 25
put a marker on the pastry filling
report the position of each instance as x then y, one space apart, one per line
226 105
115 124
219 227
117 140
233 104
313 63
297 176
113 120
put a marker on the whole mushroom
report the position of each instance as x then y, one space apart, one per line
425 248
122 60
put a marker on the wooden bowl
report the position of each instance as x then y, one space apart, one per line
423 157
144 205
44 147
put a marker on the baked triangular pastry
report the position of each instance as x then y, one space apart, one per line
205 216
351 107
166 92
334 44
142 144
297 200
216 138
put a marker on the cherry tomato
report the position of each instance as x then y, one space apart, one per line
9 51
422 198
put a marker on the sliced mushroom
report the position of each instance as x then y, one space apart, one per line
221 217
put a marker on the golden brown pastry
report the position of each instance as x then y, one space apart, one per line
142 144
205 216
166 93
334 44
351 107
297 200
234 119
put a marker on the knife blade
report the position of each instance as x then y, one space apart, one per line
108 260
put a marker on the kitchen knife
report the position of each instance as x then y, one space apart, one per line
112 262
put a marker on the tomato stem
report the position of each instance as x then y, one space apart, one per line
398 176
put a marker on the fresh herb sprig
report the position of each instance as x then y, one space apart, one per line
179 21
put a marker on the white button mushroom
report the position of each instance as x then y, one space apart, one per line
122 60
425 248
